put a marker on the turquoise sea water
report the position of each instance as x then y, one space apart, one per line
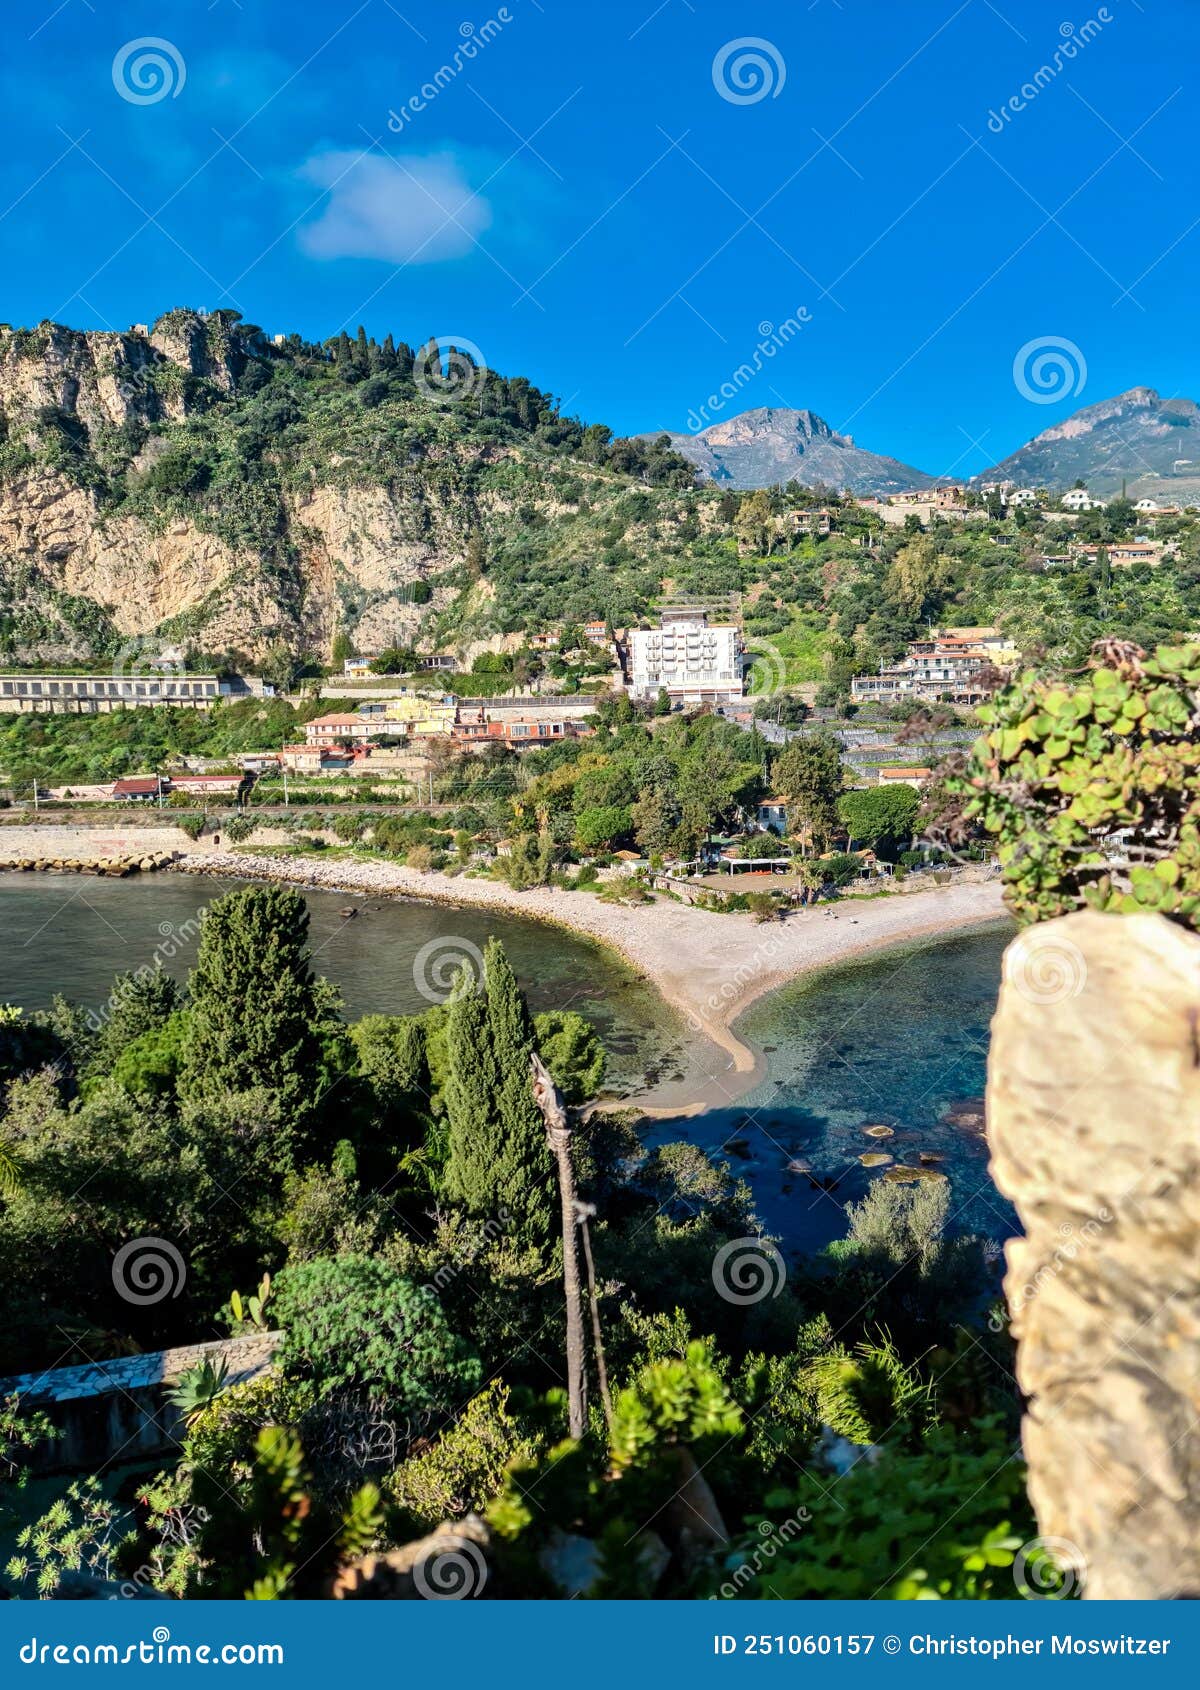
897 1040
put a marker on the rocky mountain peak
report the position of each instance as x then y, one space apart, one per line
769 446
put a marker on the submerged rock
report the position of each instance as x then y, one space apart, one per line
880 1131
902 1175
875 1159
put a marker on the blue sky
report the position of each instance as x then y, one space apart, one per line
572 188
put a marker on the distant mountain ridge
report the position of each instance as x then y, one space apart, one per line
1138 438
770 446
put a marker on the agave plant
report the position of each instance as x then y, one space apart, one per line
198 1388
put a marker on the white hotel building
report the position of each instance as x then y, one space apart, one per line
694 661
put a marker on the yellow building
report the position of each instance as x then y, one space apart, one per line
421 716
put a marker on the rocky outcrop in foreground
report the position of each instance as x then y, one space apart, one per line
1094 1121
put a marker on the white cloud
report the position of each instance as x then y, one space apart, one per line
413 209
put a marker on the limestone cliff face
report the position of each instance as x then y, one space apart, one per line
357 552
359 561
1094 1125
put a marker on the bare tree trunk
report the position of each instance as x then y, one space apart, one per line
558 1133
584 1212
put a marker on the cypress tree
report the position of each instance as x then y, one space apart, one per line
526 1155
498 1157
472 1081
253 1016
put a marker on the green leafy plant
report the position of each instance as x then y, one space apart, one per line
1092 790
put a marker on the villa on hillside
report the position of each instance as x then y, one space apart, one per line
899 775
1121 551
140 789
772 815
316 759
341 727
950 664
482 728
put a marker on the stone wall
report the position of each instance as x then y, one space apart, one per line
1094 1125
118 1410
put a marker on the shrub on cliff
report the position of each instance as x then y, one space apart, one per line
1091 789
352 1323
